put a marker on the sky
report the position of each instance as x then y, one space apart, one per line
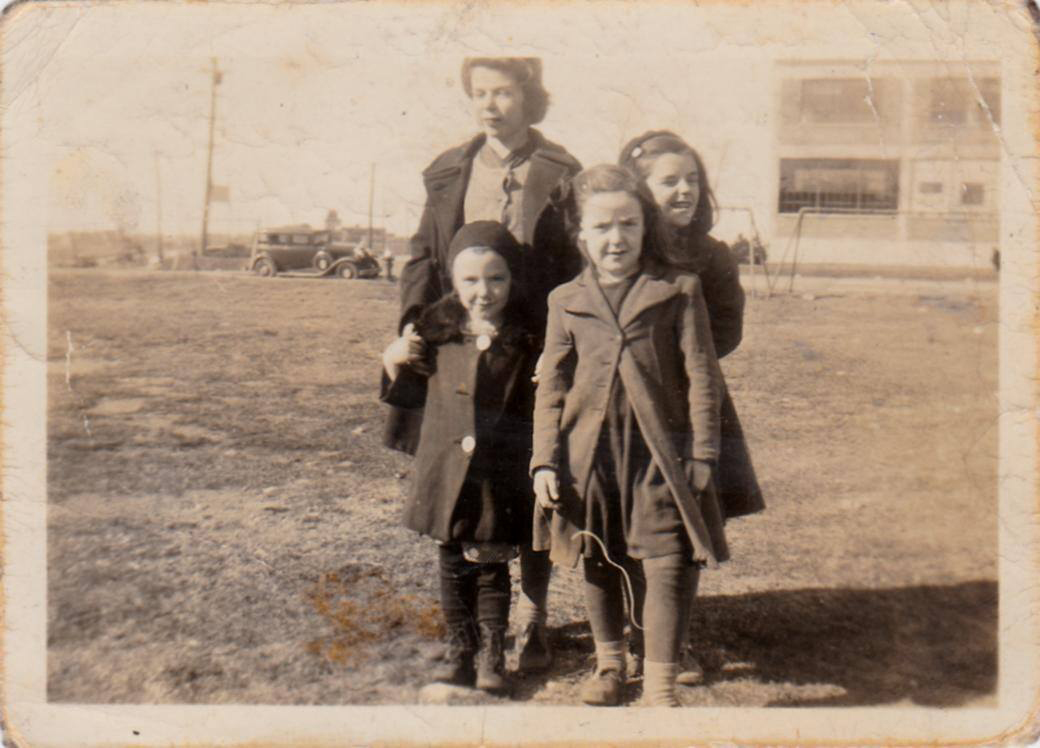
117 97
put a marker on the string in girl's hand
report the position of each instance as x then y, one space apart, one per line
628 582
630 594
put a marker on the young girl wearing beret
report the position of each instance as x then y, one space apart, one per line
468 361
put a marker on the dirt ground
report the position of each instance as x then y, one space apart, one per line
223 522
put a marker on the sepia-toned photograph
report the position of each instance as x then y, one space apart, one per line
490 374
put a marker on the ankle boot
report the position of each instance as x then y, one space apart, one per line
456 665
491 659
690 671
533 645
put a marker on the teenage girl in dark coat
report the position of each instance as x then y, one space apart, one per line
674 176
508 173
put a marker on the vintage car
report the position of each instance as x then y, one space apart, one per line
301 250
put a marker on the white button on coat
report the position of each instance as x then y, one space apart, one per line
468 444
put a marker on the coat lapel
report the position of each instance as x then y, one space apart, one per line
543 176
648 291
589 300
446 188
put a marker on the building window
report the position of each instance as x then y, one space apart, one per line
832 185
972 193
837 100
949 102
930 188
964 101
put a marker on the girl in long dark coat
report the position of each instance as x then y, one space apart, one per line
469 360
674 176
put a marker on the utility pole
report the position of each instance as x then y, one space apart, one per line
158 212
371 196
209 160
382 213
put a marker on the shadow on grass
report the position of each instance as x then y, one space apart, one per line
930 645
573 659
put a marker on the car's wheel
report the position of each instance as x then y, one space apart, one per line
322 261
264 267
346 270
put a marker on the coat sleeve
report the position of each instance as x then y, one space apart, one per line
406 396
554 381
724 297
558 258
705 387
421 275
408 390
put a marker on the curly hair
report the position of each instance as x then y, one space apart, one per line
525 71
611 178
639 155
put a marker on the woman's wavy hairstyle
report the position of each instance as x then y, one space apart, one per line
526 71
612 178
639 155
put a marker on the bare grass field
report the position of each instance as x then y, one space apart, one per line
223 521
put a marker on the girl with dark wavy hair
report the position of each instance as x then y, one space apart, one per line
673 174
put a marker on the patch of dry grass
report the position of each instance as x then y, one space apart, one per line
224 524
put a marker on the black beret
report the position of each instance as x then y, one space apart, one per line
492 235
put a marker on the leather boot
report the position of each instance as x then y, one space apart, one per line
533 645
456 665
491 659
690 671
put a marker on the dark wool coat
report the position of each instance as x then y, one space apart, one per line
474 431
660 346
549 257
717 268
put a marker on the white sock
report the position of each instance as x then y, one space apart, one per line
610 656
659 683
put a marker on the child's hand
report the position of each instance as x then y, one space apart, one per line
407 349
546 488
702 475
538 368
